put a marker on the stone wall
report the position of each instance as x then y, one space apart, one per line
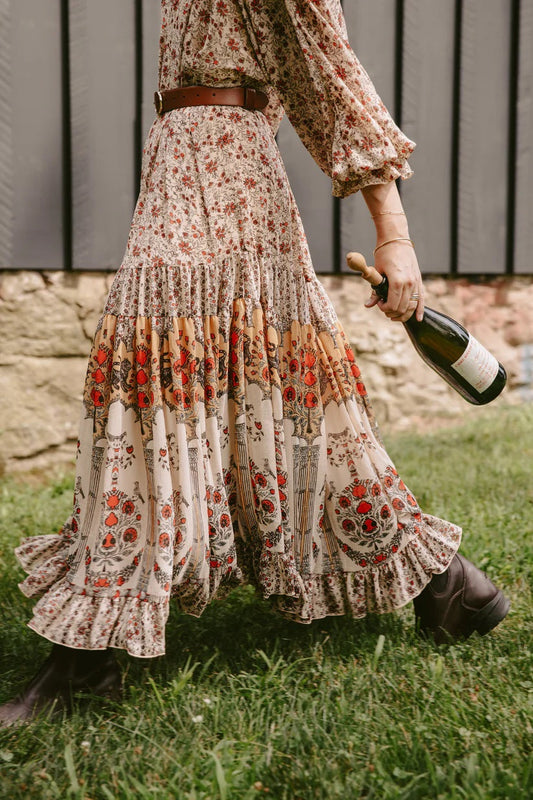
47 320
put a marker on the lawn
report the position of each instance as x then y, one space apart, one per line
246 705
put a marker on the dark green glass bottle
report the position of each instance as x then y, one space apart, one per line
446 346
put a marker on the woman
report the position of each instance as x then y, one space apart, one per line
226 434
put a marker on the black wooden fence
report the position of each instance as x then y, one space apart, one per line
457 75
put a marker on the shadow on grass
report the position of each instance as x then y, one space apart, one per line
230 633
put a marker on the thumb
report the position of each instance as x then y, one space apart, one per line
372 301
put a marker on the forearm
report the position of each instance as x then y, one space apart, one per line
395 259
382 197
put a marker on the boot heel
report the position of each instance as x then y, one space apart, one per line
490 615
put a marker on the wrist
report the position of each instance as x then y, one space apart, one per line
390 228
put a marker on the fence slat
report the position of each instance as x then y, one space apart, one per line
483 137
524 160
427 113
7 178
36 144
371 31
312 192
103 117
151 28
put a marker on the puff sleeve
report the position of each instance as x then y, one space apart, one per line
303 50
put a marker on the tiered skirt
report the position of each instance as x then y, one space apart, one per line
226 434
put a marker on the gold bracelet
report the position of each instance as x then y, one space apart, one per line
398 239
381 213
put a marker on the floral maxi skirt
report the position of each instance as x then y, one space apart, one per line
225 433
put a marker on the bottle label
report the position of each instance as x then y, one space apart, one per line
477 365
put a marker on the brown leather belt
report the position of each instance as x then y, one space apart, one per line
252 99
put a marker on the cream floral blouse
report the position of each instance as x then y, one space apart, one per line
298 52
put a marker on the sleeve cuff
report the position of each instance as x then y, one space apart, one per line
384 175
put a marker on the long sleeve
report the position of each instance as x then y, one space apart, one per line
302 47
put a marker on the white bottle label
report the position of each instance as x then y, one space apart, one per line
477 365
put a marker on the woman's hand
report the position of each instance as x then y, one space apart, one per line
396 260
399 263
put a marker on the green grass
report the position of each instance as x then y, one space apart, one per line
247 705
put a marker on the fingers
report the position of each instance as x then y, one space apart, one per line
406 290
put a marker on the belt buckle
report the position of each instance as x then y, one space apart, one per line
158 102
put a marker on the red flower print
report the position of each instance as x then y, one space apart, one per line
309 360
97 397
130 535
398 504
361 389
209 392
376 490
103 582
164 540
348 524
111 520
109 541
344 501
289 394
128 507
101 356
260 479
217 497
349 353
282 480
98 376
141 356
142 377
364 507
166 511
268 506
143 400
113 501
209 364
294 366
356 372
309 379
387 480
358 490
225 520
310 400
385 512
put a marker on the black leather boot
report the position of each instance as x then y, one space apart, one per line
459 602
65 672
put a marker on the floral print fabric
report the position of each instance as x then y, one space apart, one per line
226 433
298 52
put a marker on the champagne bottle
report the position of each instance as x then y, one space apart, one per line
445 345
